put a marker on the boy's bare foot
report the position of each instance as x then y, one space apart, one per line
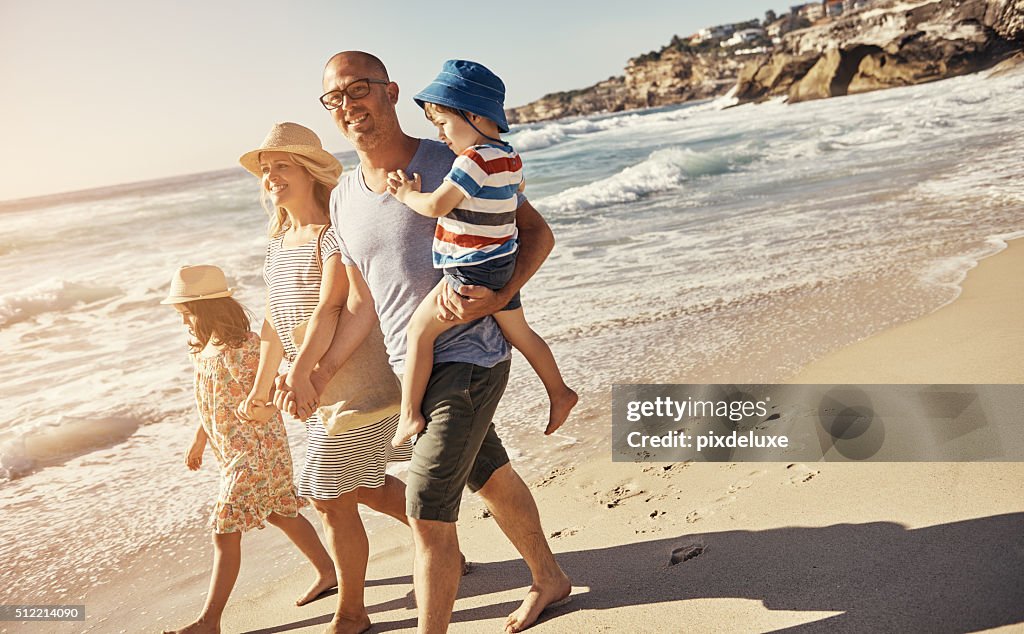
408 426
199 627
538 599
318 589
561 405
348 625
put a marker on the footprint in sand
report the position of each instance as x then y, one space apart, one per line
739 485
745 483
685 553
554 475
801 473
618 495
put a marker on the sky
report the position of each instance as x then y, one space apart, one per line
96 94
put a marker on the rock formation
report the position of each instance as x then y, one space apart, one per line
886 44
672 75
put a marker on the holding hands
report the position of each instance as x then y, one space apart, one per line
296 395
400 185
254 410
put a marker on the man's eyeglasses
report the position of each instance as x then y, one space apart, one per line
355 90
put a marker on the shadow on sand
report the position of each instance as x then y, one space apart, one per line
957 577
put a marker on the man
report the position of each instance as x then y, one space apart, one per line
386 248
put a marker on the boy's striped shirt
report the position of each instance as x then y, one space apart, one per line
483 226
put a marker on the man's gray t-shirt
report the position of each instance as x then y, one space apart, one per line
390 244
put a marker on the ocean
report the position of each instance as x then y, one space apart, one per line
696 243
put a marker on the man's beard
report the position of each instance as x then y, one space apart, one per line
374 138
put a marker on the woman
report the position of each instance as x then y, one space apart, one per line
296 177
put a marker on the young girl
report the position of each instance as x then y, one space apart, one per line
476 238
255 462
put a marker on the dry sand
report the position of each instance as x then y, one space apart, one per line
755 547
976 339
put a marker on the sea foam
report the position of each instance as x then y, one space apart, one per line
52 295
663 170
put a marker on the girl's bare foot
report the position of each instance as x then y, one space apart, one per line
199 627
561 406
408 426
319 587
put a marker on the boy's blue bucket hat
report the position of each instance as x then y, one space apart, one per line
468 86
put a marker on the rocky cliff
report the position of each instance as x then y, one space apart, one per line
894 43
672 75
888 43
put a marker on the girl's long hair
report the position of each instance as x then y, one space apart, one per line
221 320
325 182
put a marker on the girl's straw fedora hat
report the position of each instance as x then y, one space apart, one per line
295 139
192 283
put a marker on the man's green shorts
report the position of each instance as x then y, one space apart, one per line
459 446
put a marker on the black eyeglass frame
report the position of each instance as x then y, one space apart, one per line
345 91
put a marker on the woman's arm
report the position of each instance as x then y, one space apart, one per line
296 393
357 320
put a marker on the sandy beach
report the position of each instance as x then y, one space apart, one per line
976 339
752 547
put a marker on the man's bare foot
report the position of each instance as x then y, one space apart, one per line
348 625
199 627
319 587
561 405
538 599
466 566
408 426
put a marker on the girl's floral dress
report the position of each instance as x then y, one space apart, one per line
255 462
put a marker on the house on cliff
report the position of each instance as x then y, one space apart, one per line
812 11
745 36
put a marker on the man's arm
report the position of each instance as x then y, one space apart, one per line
535 243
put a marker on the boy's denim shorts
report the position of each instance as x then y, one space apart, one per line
494 274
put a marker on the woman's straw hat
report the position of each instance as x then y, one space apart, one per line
295 139
192 283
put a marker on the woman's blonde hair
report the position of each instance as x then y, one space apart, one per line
324 182
221 320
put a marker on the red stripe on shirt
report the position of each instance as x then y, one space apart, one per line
466 240
495 166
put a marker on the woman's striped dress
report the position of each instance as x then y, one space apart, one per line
334 465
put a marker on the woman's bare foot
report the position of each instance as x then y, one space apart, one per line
538 599
408 426
320 586
199 627
348 625
561 405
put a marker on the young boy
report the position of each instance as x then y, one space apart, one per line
476 238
